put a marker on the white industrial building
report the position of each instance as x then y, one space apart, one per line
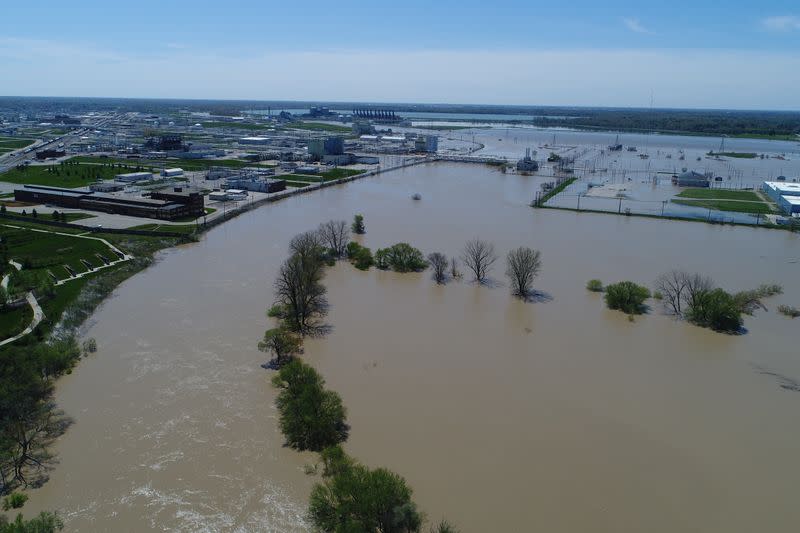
132 177
786 195
172 172
236 194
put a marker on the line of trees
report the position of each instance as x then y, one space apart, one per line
693 297
350 497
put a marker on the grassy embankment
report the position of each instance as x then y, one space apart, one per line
725 200
555 191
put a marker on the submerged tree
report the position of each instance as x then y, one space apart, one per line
400 257
282 344
455 273
522 266
627 296
335 236
358 225
353 497
438 263
298 288
479 256
311 417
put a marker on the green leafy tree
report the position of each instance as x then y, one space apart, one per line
311 417
627 296
45 522
358 225
354 498
716 309
282 344
401 257
594 285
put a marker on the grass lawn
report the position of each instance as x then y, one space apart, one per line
319 126
69 176
47 251
737 206
720 194
337 173
14 143
13 321
185 164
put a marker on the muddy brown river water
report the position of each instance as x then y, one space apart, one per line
556 416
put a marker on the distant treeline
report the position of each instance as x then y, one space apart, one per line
751 123
711 122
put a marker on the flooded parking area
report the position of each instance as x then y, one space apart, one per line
557 415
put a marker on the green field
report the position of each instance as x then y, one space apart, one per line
14 143
49 252
337 173
720 194
70 175
756 208
130 165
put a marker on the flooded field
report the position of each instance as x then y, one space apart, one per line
556 416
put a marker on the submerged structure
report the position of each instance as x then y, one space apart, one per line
527 163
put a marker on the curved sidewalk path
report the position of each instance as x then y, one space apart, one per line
38 314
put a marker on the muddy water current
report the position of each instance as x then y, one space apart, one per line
555 415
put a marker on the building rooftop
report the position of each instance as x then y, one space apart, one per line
782 186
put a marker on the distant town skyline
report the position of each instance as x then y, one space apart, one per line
619 54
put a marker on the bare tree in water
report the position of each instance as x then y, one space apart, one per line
479 256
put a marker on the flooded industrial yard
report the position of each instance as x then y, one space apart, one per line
556 416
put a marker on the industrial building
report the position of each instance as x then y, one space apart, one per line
172 172
106 186
132 177
163 205
318 148
786 195
691 179
255 184
426 143
527 163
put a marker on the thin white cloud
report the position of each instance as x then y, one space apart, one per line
587 77
635 26
782 23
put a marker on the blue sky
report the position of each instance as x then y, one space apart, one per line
684 54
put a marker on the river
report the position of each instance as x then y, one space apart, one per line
557 415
